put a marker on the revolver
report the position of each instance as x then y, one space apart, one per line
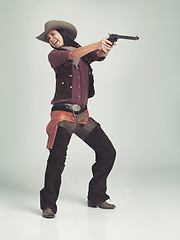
114 37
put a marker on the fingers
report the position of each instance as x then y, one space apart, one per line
109 42
106 45
114 44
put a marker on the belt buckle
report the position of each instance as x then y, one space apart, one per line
79 117
76 108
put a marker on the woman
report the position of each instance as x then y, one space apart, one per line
69 114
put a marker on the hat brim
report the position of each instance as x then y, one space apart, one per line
68 27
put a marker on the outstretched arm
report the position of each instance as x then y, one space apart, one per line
103 47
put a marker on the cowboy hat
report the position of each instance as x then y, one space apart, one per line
53 25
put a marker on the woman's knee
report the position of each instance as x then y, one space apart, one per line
110 153
56 161
113 153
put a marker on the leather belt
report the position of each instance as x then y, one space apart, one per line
69 107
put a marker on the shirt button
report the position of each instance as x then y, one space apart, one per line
70 75
79 86
62 83
79 96
70 87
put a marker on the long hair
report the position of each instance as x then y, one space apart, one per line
68 41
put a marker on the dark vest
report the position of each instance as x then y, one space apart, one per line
64 81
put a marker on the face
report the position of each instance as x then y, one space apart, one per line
55 39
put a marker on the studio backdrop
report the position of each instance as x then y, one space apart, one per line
137 86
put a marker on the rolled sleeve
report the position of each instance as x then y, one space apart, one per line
57 58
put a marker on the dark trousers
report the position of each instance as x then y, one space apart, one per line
94 136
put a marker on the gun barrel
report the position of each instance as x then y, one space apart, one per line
128 37
114 37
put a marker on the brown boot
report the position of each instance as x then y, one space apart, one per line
103 205
48 213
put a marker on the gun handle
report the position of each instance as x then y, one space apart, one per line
112 39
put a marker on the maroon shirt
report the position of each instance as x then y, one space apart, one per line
80 81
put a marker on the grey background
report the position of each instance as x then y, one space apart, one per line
137 87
